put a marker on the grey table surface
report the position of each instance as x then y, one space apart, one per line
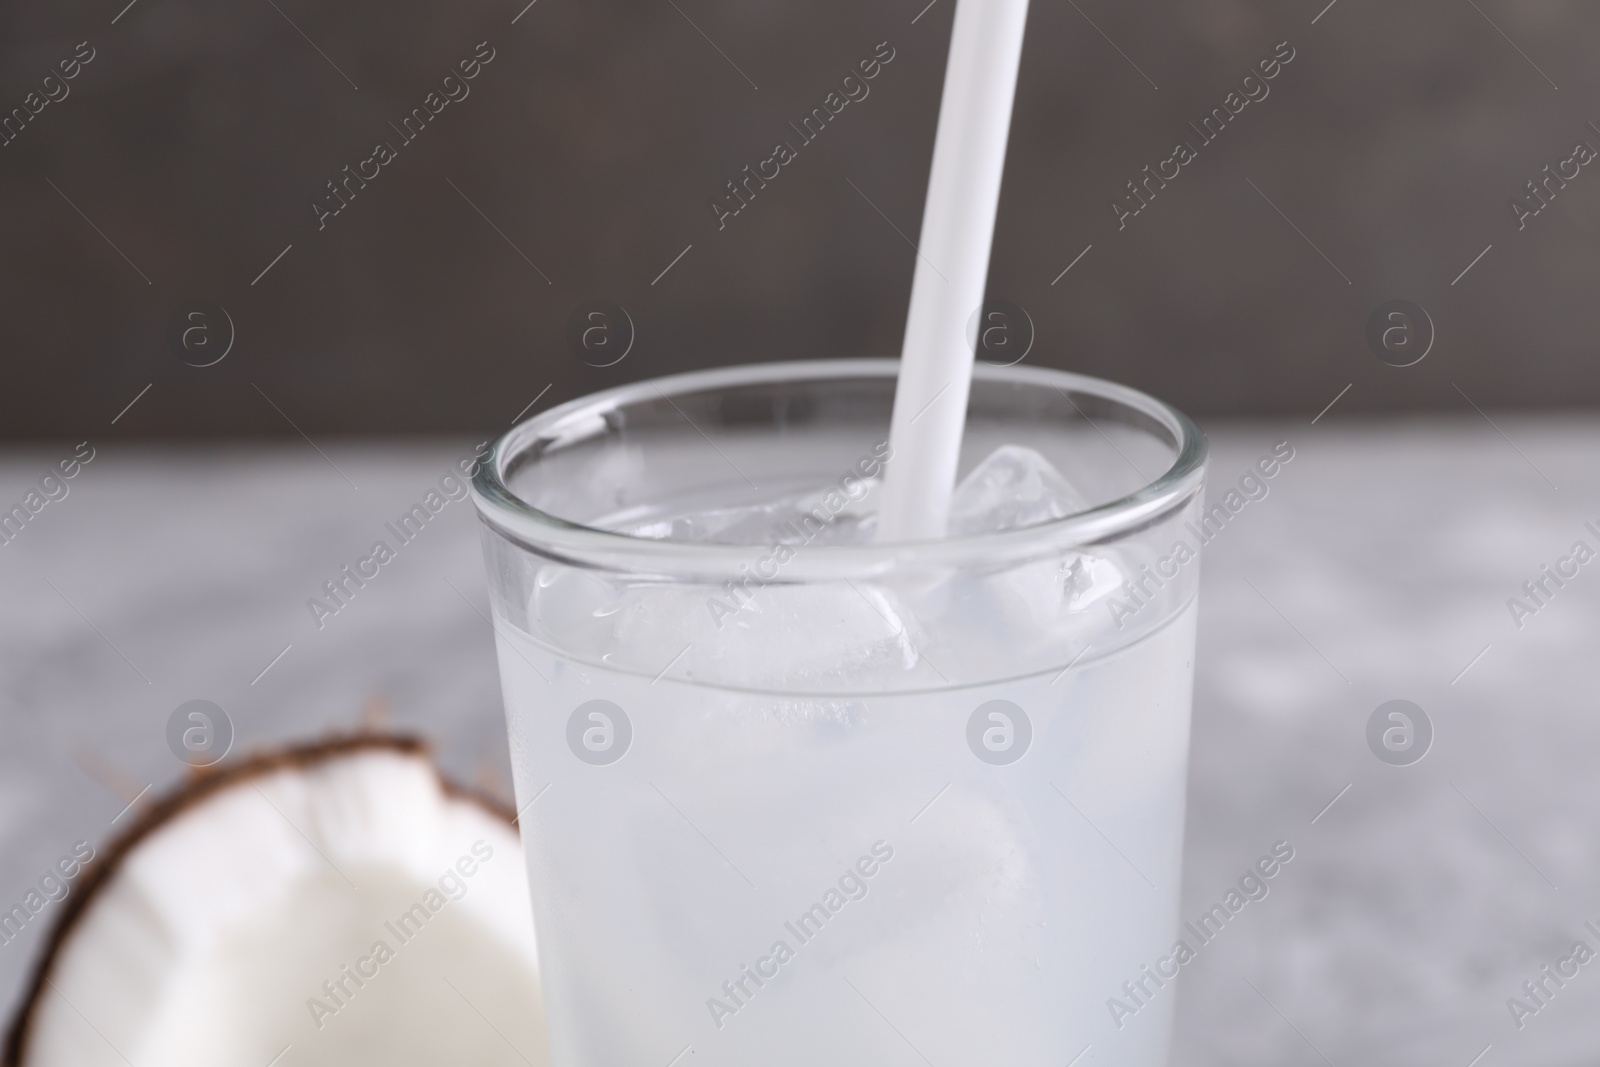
1378 568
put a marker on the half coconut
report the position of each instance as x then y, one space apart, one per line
332 904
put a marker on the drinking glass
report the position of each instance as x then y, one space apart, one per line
790 796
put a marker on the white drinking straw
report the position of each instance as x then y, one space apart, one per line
969 152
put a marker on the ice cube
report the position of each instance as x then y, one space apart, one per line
1015 486
839 636
777 636
577 608
805 637
752 633
822 516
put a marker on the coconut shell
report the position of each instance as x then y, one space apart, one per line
203 784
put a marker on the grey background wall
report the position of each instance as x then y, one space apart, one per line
186 156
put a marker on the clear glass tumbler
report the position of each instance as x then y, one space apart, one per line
793 797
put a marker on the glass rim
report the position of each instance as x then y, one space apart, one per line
527 526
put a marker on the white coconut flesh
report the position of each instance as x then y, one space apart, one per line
346 909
